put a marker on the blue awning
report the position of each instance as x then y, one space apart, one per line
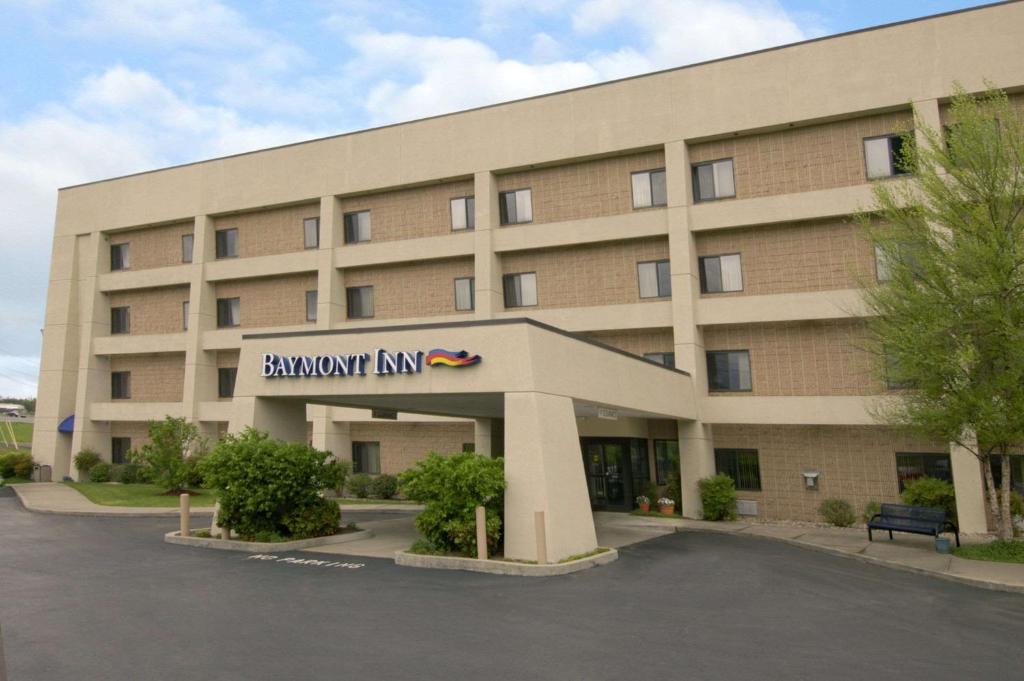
67 425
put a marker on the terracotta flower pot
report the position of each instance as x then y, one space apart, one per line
646 508
667 510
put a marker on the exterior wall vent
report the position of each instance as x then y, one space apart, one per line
746 507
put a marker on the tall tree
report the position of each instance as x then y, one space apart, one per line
950 317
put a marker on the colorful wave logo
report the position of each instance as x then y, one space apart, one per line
447 358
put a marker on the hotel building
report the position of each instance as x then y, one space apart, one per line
660 276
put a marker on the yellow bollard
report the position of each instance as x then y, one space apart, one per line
184 531
481 533
542 537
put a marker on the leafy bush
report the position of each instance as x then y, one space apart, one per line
425 548
870 509
933 493
837 512
384 486
16 465
359 485
451 487
337 473
132 473
100 472
116 472
171 453
269 487
673 490
85 460
718 497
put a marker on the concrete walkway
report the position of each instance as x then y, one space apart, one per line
909 552
58 498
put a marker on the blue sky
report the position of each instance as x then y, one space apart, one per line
97 88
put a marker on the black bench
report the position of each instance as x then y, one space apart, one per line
913 519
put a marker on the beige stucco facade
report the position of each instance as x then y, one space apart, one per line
799 175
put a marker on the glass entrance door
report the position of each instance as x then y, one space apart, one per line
608 465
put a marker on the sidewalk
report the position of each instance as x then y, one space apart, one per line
908 552
54 497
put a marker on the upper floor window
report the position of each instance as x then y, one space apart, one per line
655 279
883 156
184 315
229 312
120 320
649 189
226 381
516 206
883 268
520 289
311 299
366 457
729 371
119 448
311 233
357 227
227 243
465 295
120 385
742 466
713 180
721 274
360 302
118 257
463 213
187 243
664 358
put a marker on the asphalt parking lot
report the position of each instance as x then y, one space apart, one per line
99 598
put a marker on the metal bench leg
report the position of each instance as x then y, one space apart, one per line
890 535
957 535
869 535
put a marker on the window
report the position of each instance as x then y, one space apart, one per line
118 257
721 274
187 243
227 243
883 156
911 466
515 207
520 289
229 312
465 294
883 267
119 448
120 320
120 385
1016 472
366 457
468 447
357 227
311 297
713 180
311 232
184 315
463 213
742 466
655 279
666 460
892 372
664 358
649 189
226 381
729 370
389 414
360 301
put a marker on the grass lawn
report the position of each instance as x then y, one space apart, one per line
14 481
998 551
22 431
374 501
107 494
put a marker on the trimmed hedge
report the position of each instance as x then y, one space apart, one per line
837 512
384 486
718 497
16 465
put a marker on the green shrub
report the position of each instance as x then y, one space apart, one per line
425 548
117 472
384 486
132 474
673 490
85 460
837 512
718 497
870 509
16 465
100 472
359 485
172 453
269 487
451 487
337 473
933 493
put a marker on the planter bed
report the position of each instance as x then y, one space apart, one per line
263 546
505 567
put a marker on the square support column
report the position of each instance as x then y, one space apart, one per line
969 486
544 472
330 297
482 436
200 364
487 264
330 435
283 419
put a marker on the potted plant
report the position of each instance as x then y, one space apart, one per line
644 502
666 505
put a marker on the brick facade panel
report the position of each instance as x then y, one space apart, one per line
589 274
155 377
636 341
136 430
269 232
409 213
271 301
157 310
413 289
152 247
802 159
403 444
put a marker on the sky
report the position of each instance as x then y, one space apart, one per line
92 89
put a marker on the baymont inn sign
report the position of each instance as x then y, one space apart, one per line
379 362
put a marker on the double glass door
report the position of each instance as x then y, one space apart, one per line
614 467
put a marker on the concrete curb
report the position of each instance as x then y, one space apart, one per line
103 512
502 567
264 546
873 560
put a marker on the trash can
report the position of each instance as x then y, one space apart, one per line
943 545
41 473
